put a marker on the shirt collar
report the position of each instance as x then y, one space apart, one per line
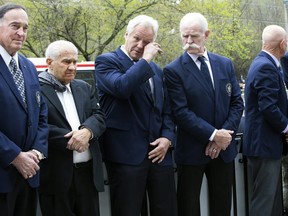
126 53
6 57
274 58
68 87
194 57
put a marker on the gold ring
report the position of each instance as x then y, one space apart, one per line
214 150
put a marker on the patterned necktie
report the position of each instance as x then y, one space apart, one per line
204 69
18 78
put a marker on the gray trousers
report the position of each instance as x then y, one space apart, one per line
265 187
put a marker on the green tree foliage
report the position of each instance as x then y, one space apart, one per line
259 14
229 35
93 26
98 26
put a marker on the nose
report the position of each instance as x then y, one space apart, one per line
141 44
72 66
21 31
189 39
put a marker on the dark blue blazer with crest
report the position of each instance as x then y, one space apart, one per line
199 110
21 128
134 118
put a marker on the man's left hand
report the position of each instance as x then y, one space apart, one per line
212 150
79 140
157 154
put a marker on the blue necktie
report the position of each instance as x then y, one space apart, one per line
205 71
18 78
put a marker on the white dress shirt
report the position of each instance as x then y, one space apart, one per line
70 110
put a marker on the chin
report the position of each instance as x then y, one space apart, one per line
193 51
136 55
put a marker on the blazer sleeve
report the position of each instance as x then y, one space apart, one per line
119 77
268 84
284 65
95 120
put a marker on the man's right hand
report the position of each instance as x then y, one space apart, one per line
151 50
223 138
27 164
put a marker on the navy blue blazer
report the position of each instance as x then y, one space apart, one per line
57 170
265 109
21 128
198 110
284 65
134 118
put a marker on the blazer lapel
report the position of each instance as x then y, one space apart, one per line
7 77
191 66
126 63
78 99
216 70
53 99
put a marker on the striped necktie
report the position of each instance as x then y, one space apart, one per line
18 78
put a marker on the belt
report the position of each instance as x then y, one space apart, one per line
83 164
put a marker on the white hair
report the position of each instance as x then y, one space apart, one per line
191 18
143 20
55 48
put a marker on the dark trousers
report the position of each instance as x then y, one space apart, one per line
220 179
264 185
81 200
22 201
129 183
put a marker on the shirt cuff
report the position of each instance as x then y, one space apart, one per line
213 135
285 130
40 156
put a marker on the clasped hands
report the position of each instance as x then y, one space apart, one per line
79 140
26 163
221 141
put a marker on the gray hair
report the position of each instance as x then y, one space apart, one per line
191 18
143 20
55 48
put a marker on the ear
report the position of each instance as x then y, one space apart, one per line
48 61
126 35
282 44
207 33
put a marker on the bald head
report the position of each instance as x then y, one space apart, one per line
274 40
